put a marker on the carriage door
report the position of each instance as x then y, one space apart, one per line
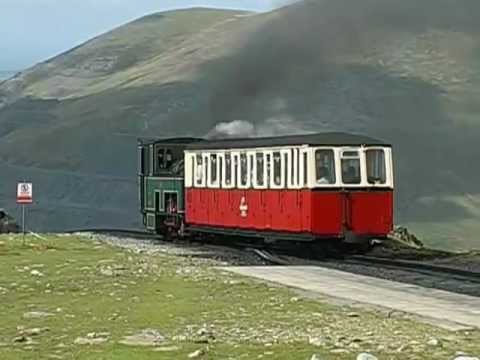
351 168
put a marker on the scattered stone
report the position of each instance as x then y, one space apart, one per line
317 341
433 342
166 348
55 356
464 357
36 315
22 339
34 331
36 273
106 272
147 337
366 356
353 314
92 339
315 357
339 351
196 354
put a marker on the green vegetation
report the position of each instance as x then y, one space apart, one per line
63 288
404 71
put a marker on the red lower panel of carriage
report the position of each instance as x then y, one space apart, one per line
319 213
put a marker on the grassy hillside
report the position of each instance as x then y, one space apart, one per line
407 72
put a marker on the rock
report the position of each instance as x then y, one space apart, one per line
465 357
339 351
92 339
34 331
36 273
353 314
196 354
147 337
366 356
106 272
36 315
317 341
433 342
315 357
166 348
22 339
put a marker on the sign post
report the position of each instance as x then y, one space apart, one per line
24 197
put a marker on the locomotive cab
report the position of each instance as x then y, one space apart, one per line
160 182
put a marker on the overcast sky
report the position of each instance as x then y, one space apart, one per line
34 30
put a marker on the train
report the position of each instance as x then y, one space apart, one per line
312 188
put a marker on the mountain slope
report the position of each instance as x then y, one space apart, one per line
407 72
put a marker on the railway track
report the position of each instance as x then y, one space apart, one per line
404 265
375 265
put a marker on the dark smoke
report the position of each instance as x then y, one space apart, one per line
308 39
309 57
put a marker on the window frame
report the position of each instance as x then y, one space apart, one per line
361 157
224 171
189 169
389 169
264 185
272 170
210 183
336 161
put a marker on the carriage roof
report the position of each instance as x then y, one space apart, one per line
319 139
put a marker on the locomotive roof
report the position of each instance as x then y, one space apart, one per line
319 139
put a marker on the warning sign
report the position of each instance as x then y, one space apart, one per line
24 193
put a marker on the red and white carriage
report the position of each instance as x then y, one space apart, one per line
306 187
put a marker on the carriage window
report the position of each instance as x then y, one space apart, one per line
228 169
268 165
351 167
305 169
243 170
260 169
235 169
325 167
285 169
376 169
199 170
277 169
213 169
293 166
251 164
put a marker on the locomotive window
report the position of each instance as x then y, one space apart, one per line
376 169
213 169
277 169
351 170
199 170
325 167
168 158
146 161
260 169
228 169
141 160
243 170
160 158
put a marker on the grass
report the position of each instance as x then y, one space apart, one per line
90 287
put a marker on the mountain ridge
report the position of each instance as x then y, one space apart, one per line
374 68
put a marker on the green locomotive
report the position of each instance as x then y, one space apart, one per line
161 184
